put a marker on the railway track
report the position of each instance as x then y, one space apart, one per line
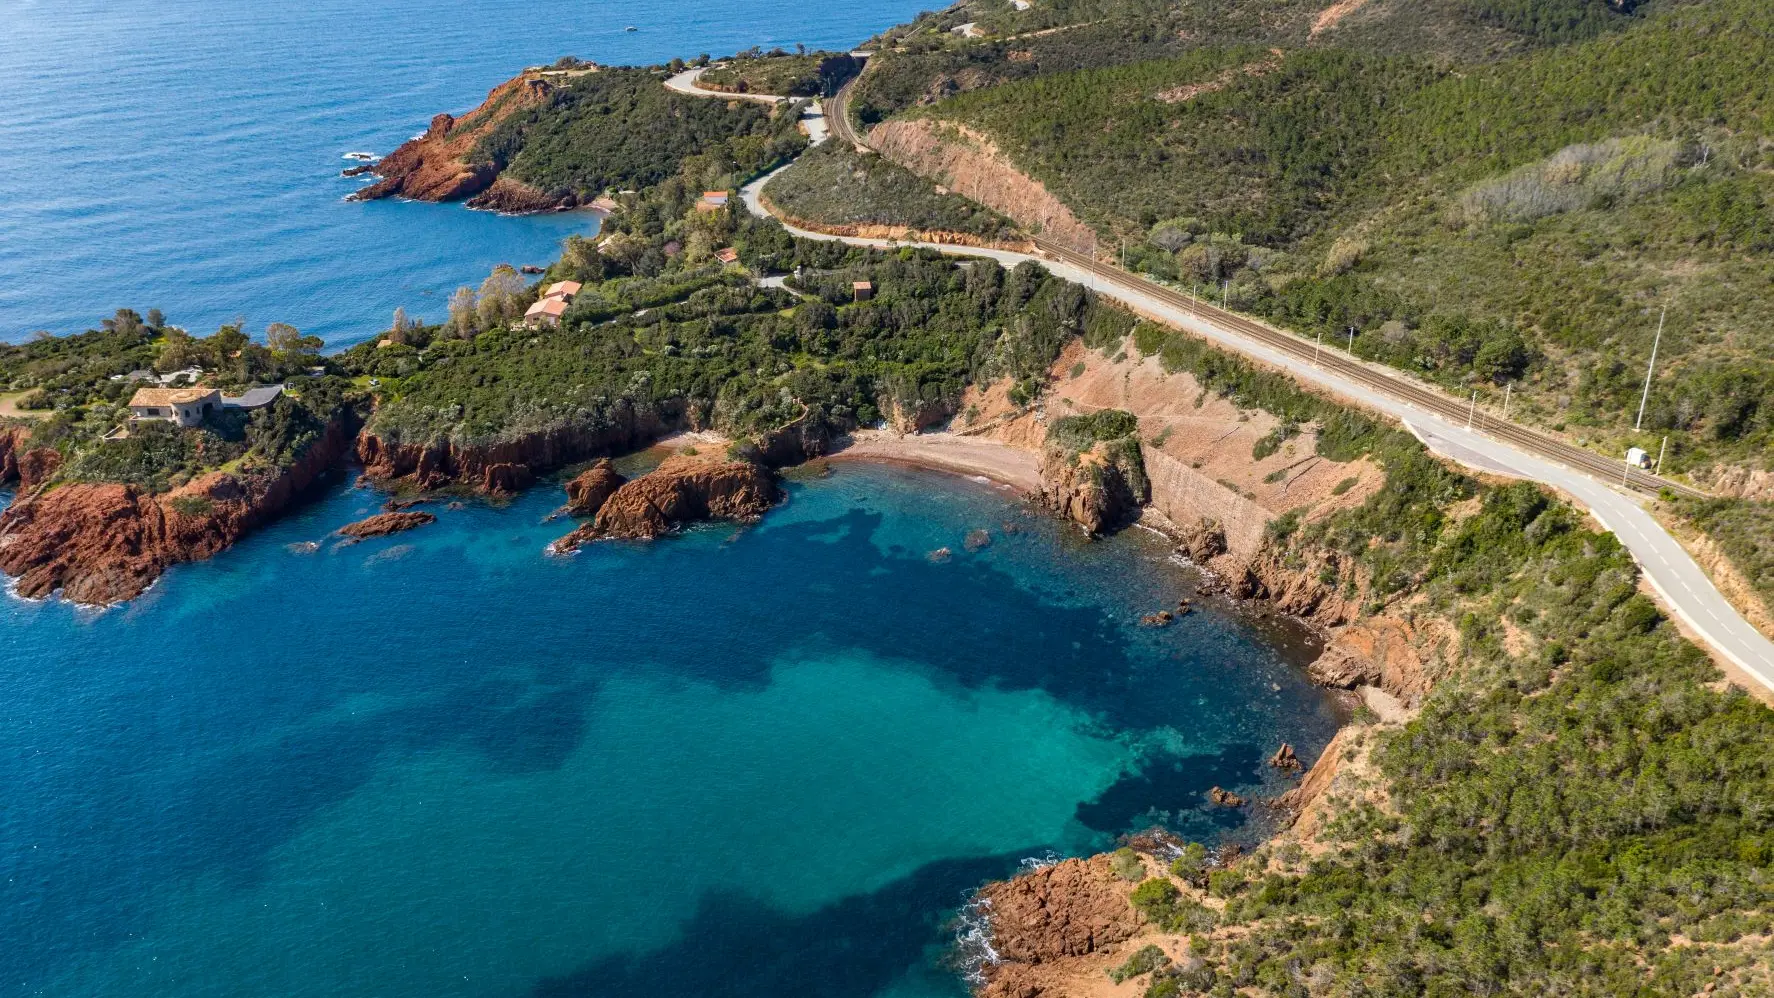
1397 386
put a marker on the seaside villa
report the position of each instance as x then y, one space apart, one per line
184 406
552 305
546 312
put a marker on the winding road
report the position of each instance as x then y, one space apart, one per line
1457 431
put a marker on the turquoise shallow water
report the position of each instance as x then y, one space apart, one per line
761 761
184 154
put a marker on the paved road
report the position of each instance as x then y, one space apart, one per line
1672 573
685 83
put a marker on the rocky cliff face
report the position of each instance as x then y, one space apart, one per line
967 163
106 543
684 489
507 466
439 166
1091 489
20 462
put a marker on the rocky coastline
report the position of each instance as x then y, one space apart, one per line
104 543
440 166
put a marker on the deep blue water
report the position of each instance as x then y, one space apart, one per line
184 154
763 761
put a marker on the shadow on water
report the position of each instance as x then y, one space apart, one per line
737 946
1171 790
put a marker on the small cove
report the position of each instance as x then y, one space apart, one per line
771 759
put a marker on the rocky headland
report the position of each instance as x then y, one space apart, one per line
442 164
104 543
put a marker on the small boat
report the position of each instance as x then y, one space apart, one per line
361 157
631 28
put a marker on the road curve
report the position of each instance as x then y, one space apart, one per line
685 83
1488 446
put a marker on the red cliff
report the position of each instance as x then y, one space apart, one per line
507 466
102 543
440 165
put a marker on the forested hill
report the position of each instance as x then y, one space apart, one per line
1491 193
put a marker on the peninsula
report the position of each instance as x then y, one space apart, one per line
1545 787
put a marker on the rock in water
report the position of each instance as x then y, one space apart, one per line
1160 619
977 540
1284 758
383 524
685 489
587 493
1225 798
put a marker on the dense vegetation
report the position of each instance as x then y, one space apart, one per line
743 359
618 128
77 388
1520 221
834 185
803 74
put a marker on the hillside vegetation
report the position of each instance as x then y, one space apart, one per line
834 185
1519 220
618 128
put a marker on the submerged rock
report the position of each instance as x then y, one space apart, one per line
977 540
1162 618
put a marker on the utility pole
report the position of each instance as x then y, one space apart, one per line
1319 349
1646 396
1472 409
1661 448
1506 389
1225 293
1351 341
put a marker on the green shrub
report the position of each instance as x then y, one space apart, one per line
1142 961
1126 864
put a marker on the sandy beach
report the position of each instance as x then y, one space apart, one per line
948 452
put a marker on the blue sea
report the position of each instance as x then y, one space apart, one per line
754 761
760 761
185 154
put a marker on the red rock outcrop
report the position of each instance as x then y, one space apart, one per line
1088 488
507 466
16 460
684 489
1073 908
383 524
587 492
106 543
439 166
